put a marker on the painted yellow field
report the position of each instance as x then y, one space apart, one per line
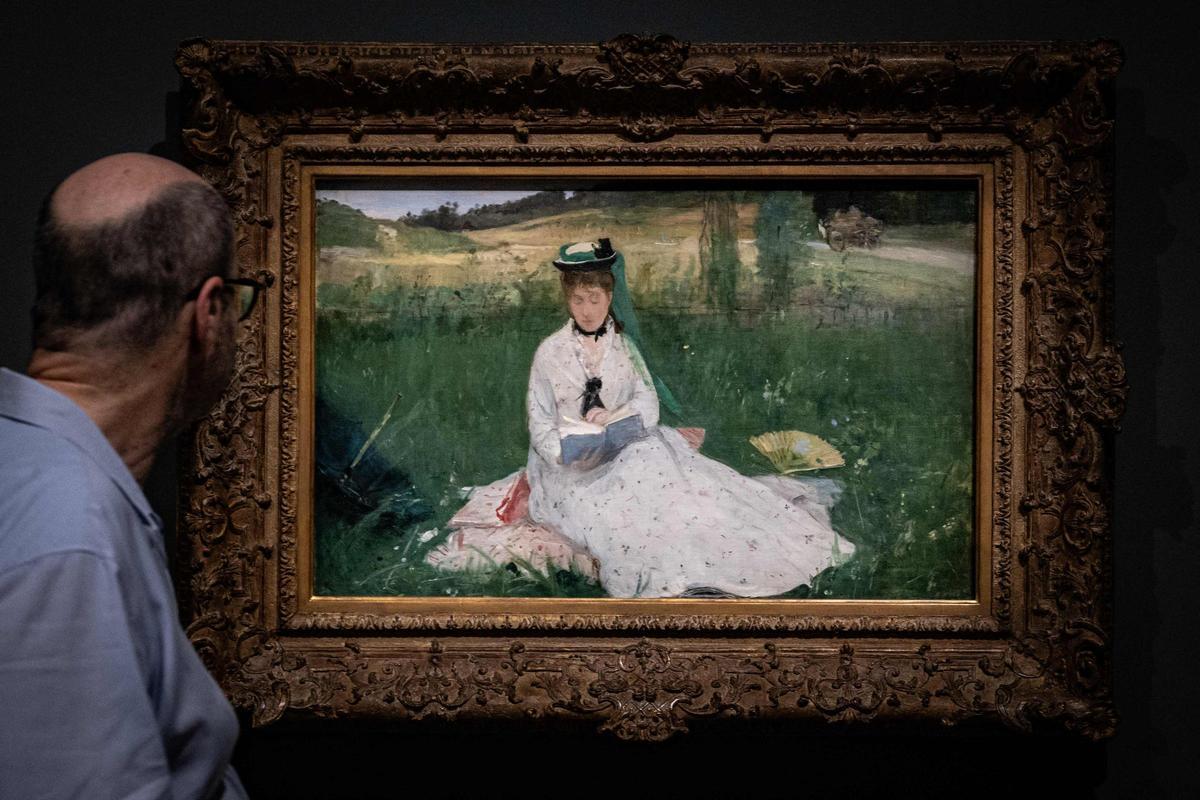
653 241
924 265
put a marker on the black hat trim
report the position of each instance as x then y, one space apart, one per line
598 265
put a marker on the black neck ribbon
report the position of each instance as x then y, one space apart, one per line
596 334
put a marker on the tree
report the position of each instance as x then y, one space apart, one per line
784 226
718 250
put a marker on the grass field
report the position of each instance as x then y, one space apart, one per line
891 397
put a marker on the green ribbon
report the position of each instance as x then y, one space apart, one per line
622 309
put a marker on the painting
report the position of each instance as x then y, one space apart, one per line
810 348
859 319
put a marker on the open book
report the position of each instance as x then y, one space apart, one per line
581 439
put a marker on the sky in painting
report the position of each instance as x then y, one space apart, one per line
395 203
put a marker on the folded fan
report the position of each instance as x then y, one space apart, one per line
797 451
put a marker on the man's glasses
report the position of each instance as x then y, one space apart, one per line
245 289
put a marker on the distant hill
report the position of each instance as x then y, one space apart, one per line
447 217
539 205
339 225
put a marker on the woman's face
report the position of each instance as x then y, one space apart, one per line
589 306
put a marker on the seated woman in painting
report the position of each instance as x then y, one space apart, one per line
661 519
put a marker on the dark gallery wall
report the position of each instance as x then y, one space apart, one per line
82 81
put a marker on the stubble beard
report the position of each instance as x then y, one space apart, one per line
204 383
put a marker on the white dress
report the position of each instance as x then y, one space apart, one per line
661 518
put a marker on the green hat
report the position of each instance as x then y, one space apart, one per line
586 257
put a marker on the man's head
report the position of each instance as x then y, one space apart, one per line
130 256
118 245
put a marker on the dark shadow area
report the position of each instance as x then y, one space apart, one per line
1145 499
171 145
1155 544
728 758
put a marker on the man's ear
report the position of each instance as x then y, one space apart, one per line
210 308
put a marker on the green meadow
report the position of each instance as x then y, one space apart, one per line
890 397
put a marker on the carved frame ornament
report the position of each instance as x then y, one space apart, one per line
1033 120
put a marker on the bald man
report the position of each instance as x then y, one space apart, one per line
135 317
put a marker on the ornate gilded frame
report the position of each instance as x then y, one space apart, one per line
1031 121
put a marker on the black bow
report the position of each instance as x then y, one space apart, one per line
596 334
591 396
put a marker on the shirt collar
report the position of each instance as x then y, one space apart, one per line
26 400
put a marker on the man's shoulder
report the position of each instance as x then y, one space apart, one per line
53 497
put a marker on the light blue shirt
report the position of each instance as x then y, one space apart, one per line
101 693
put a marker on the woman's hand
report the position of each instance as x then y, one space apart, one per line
597 416
693 436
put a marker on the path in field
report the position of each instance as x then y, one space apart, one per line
933 255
